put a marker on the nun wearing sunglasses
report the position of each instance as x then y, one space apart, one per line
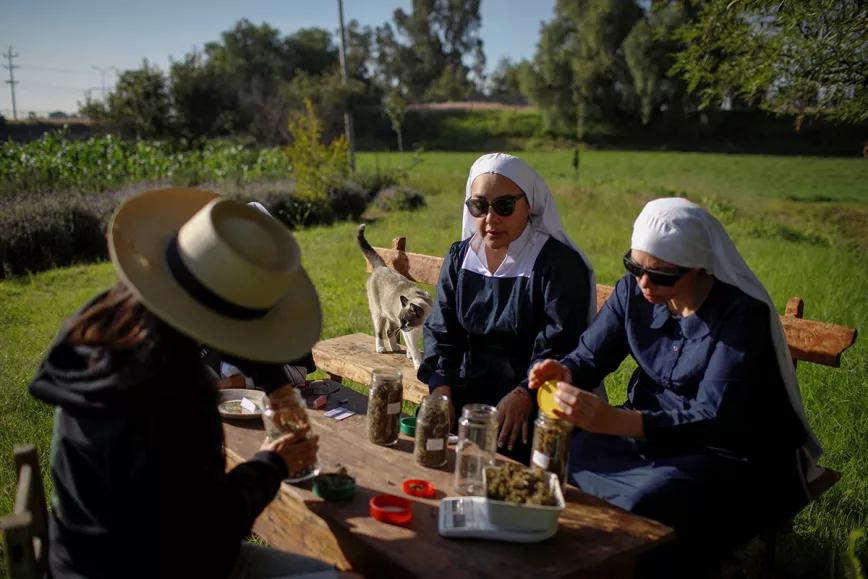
513 291
713 438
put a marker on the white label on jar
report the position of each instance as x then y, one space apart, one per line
393 408
434 443
249 405
540 459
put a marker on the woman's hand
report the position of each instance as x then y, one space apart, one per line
547 370
447 392
512 412
581 407
295 448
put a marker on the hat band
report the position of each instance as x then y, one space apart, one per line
201 293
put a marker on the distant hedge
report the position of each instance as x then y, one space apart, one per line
41 231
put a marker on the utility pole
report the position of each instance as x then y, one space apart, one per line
102 70
348 116
12 82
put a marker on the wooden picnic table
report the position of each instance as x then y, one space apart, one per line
594 539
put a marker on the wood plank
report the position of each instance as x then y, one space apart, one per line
593 535
354 356
17 530
809 340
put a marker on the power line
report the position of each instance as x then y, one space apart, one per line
12 82
102 70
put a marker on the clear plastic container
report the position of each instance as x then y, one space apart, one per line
551 445
476 448
284 412
384 406
432 430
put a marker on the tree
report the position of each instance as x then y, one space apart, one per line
139 106
205 104
649 50
429 62
396 108
799 55
505 82
581 76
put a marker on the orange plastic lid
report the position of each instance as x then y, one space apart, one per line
545 397
391 509
419 488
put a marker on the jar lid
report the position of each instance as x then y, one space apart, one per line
391 509
408 425
334 486
545 398
419 488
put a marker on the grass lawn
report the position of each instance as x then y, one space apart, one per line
801 224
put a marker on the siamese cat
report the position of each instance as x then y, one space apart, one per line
396 305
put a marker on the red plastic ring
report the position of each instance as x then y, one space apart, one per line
419 488
391 509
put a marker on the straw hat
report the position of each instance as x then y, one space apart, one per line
217 270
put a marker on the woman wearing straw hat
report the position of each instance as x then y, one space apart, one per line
140 488
713 439
516 289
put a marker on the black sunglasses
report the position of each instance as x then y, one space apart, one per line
666 278
503 206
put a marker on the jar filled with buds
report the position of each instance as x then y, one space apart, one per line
284 412
384 406
432 430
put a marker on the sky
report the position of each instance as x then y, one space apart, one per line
67 47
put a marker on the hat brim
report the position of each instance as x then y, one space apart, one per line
138 236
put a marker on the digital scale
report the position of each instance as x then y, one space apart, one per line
467 517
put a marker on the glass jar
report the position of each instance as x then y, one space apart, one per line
551 445
476 449
432 430
384 406
284 412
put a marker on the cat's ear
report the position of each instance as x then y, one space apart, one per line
404 301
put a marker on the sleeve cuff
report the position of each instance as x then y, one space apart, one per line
435 380
273 460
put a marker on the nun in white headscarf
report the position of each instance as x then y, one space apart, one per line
713 439
514 290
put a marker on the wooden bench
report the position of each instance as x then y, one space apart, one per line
353 356
25 531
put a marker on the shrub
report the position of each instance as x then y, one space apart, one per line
399 198
43 231
315 166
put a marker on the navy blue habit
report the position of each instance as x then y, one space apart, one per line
718 459
485 332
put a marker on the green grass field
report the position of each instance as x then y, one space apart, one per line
801 224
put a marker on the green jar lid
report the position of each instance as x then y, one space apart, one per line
334 486
408 425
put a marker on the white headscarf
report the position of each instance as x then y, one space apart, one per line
544 214
683 233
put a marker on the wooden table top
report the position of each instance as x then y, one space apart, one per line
592 534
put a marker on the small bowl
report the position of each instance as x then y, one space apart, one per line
408 425
391 509
236 394
333 486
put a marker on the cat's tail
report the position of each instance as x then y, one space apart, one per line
370 254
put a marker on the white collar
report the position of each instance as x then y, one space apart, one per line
520 255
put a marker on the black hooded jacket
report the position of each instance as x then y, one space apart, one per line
140 488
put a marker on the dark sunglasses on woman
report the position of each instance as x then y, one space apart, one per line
666 278
503 206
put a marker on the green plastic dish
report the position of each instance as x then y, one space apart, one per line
334 487
408 425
